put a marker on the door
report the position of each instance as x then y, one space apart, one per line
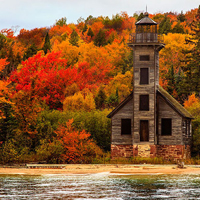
144 130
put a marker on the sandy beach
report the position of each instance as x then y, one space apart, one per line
101 168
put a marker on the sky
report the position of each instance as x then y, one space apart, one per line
30 14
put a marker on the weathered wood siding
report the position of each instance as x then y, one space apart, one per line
150 89
166 111
126 112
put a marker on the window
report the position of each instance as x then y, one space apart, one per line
144 130
126 126
144 76
166 126
144 103
144 58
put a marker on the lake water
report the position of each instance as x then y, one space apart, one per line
100 186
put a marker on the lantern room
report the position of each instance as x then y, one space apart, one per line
146 32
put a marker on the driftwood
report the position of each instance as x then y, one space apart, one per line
180 164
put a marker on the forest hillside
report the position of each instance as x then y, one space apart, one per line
59 83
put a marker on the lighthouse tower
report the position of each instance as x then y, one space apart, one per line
146 44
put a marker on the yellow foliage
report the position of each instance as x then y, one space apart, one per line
70 52
192 99
172 54
122 82
80 101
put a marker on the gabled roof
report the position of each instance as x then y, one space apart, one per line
166 96
120 105
146 21
174 104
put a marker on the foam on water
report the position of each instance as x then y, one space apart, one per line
100 186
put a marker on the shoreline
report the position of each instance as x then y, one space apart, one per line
127 169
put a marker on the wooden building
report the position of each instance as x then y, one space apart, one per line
149 122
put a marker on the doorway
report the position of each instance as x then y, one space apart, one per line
144 130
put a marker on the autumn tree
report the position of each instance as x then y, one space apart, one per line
192 104
34 36
46 77
80 101
178 28
78 147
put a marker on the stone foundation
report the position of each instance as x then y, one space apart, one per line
144 150
173 152
121 151
169 152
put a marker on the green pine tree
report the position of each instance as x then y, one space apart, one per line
74 38
100 98
32 50
100 38
171 80
178 28
47 44
61 22
181 17
84 28
165 26
140 16
192 67
90 33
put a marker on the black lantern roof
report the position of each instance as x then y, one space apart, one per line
146 20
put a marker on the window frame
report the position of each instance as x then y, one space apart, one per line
144 57
163 131
140 102
146 82
126 125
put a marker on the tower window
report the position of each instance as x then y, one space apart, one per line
166 126
144 103
126 126
144 76
144 58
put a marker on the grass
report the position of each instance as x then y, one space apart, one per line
106 159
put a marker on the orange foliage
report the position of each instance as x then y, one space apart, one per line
34 36
59 30
192 99
4 92
96 27
190 15
77 145
9 33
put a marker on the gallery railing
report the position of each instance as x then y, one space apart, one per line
145 38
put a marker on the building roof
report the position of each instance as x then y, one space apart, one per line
146 21
120 105
175 104
166 96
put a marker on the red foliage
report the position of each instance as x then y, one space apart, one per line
9 33
34 36
47 77
77 144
